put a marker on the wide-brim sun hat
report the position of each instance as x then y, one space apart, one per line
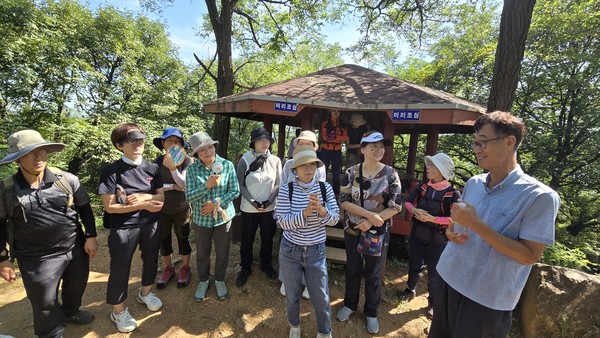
23 142
259 133
308 136
374 138
171 131
201 140
305 154
443 163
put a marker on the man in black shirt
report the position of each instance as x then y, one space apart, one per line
39 211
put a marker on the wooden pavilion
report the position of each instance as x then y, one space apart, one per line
391 105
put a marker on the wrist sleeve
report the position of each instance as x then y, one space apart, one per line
87 219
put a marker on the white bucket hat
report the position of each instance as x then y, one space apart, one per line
201 140
443 163
308 136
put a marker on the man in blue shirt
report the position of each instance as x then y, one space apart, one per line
508 218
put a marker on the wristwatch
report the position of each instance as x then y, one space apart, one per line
4 256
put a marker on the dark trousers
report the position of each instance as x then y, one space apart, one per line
250 222
424 252
373 269
122 243
221 237
180 223
41 278
333 157
457 316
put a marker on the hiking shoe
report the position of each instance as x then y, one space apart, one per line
167 275
184 276
125 323
323 335
305 293
242 277
221 290
80 318
343 314
282 289
407 295
152 302
294 332
372 325
201 291
269 271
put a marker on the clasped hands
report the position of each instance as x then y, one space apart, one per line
314 204
423 215
374 219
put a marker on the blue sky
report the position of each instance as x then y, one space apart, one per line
183 16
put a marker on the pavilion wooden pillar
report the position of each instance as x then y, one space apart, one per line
412 152
281 139
268 123
388 133
432 139
306 121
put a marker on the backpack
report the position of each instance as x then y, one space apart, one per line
445 203
8 195
8 189
447 198
321 186
258 163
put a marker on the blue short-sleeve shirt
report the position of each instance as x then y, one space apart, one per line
520 207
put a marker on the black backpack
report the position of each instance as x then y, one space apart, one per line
321 185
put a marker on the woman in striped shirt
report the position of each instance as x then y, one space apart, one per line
304 207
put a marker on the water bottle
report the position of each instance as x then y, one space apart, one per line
459 229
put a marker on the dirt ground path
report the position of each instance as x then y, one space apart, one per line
256 310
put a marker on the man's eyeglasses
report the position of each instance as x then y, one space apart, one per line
134 141
483 143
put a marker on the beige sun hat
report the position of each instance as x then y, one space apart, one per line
443 163
201 140
23 142
305 154
308 136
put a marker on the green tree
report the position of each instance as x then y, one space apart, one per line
250 26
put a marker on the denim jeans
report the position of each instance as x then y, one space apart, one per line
294 260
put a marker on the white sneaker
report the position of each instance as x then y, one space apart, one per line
152 302
125 323
294 332
282 289
322 335
305 293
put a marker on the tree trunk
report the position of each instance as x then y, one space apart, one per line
514 25
222 27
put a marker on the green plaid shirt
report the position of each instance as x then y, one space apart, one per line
197 193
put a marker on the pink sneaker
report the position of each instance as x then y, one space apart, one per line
184 277
167 275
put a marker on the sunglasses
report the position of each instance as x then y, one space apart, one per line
134 141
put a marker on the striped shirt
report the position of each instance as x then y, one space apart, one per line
290 217
197 193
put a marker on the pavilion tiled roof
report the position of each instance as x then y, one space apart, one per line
357 86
